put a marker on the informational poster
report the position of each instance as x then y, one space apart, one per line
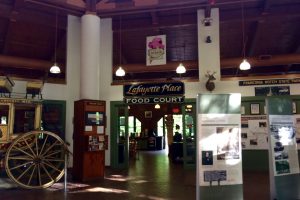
220 149
254 132
297 128
283 145
156 50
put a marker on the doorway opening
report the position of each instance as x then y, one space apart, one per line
169 129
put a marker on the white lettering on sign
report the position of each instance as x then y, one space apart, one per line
145 100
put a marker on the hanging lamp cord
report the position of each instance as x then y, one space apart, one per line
55 42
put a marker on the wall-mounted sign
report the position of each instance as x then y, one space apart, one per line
270 91
154 89
156 50
269 82
160 100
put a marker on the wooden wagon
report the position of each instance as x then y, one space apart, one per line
33 158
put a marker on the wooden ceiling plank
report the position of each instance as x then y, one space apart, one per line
252 42
12 18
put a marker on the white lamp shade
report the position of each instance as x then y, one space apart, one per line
180 69
245 65
157 106
120 72
55 69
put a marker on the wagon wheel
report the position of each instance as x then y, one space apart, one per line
36 159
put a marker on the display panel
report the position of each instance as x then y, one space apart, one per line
94 118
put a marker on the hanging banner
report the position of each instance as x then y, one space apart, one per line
219 151
156 50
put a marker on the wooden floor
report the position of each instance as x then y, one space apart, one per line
152 177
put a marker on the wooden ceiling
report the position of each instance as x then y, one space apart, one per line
271 27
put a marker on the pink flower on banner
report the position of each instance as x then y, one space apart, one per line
156 43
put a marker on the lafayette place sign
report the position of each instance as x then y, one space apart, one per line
154 93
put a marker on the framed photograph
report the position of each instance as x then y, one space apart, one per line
148 114
294 107
254 108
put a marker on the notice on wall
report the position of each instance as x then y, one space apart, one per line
283 145
220 149
254 132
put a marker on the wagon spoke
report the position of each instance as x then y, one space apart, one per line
43 166
36 145
39 174
52 166
53 153
31 156
50 147
24 172
21 165
19 158
54 160
44 144
29 147
28 183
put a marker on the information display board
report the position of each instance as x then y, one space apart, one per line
219 164
283 153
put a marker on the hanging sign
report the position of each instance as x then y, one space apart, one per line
160 100
269 82
154 89
156 50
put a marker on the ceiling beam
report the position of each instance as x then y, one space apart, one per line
26 63
225 64
113 10
42 65
226 16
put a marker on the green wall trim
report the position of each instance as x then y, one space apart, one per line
224 192
219 103
279 105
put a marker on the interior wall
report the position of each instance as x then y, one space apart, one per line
70 91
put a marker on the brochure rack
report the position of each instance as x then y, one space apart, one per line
90 140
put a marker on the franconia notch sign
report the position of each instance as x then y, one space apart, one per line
154 93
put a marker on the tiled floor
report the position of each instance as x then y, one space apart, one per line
151 177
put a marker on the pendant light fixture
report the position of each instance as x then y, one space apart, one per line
245 65
120 71
181 68
55 68
157 106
